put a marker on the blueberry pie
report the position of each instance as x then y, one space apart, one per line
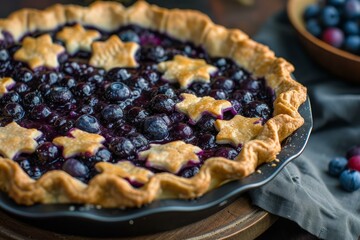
118 107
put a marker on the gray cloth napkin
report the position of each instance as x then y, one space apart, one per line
303 191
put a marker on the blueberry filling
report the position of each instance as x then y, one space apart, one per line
130 108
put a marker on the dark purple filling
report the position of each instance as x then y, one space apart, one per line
131 108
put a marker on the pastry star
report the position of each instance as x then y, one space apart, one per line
77 38
114 53
194 106
81 143
126 169
15 139
39 52
4 84
186 70
237 130
171 156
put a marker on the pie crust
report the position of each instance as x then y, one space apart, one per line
109 188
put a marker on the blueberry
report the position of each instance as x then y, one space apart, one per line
118 75
141 83
23 75
138 140
333 36
92 101
156 54
95 78
182 131
218 94
83 90
87 123
10 97
314 27
4 55
162 104
68 82
77 69
5 68
206 141
352 43
21 87
337 165
86 109
167 90
14 111
123 129
206 123
352 9
129 36
126 103
330 16
111 113
155 128
117 91
201 89
350 180
36 172
351 28
24 164
40 112
122 147
252 85
177 117
354 163
136 115
166 119
152 76
225 84
222 63
47 152
189 172
76 168
103 155
239 75
258 109
237 106
32 99
226 152
51 77
53 118
44 89
60 95
312 11
64 125
353 151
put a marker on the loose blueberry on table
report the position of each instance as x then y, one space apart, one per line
347 168
336 22
129 110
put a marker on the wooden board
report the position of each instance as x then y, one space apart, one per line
239 220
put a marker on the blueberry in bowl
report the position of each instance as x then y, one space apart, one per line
329 31
128 109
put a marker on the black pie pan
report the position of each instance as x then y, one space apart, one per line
160 215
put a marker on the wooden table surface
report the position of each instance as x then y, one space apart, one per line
229 13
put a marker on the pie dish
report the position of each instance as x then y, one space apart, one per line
118 107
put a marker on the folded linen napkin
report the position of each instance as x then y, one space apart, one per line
303 191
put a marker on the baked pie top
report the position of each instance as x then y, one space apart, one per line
119 106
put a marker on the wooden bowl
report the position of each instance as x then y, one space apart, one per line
339 62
